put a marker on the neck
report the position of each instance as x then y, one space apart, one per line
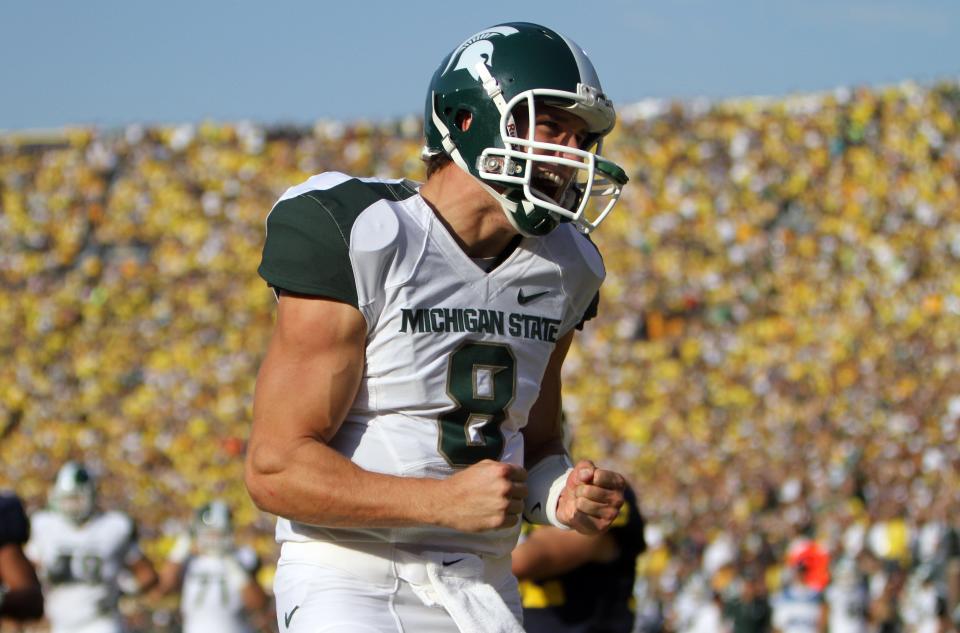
468 212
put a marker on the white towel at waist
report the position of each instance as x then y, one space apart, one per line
461 583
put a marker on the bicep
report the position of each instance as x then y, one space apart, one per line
543 433
311 372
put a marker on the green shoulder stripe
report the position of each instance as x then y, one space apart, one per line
307 249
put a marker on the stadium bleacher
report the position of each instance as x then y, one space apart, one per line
776 352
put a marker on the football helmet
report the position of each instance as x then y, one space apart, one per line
74 492
213 527
523 65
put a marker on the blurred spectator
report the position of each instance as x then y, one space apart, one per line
847 598
797 607
776 350
748 609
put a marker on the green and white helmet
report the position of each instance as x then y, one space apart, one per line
213 527
488 76
74 492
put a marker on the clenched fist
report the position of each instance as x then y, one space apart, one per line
485 496
591 498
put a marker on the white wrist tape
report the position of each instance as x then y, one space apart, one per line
545 482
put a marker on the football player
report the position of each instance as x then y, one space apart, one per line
220 591
20 595
84 555
580 583
407 410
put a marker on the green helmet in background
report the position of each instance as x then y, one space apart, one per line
523 65
213 527
74 492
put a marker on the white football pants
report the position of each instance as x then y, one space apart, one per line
368 588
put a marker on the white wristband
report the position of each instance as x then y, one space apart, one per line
545 482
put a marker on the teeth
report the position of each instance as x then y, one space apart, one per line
550 176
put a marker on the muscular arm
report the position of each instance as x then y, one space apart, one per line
593 496
24 599
305 387
543 434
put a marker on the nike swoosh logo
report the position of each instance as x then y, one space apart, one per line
289 616
523 299
536 507
447 563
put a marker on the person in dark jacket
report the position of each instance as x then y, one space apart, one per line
20 595
575 583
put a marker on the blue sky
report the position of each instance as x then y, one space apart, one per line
115 62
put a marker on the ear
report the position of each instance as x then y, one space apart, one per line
463 120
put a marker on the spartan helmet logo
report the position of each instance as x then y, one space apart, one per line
478 48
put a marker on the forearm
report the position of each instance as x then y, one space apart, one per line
22 597
549 552
22 604
312 483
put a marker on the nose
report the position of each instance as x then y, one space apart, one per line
565 139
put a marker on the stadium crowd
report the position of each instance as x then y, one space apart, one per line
775 362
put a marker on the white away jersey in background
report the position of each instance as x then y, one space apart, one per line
212 596
80 565
455 355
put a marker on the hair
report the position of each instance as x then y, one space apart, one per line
436 162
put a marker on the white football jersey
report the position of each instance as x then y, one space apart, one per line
454 356
212 596
80 565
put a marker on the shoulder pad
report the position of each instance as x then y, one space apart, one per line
120 523
310 233
14 525
589 253
582 272
247 558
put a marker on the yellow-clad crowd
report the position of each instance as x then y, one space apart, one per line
776 352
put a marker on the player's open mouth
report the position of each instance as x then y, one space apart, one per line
550 183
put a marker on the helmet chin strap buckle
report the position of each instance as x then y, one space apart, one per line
492 164
498 165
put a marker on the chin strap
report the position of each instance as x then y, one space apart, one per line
491 86
509 207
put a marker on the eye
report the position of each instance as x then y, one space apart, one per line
549 127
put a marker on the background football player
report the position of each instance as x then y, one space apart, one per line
84 555
220 592
20 595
